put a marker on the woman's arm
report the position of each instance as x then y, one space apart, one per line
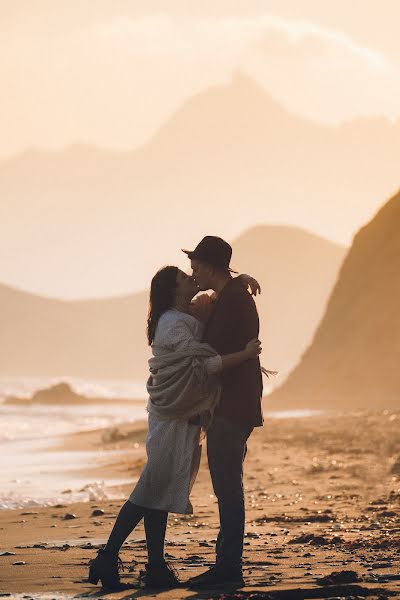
249 281
202 305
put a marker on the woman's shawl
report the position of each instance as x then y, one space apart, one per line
179 386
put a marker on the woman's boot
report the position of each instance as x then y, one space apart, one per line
106 568
162 575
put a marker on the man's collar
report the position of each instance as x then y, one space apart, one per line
228 282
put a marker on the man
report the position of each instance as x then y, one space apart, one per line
233 323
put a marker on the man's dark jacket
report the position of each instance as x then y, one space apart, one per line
233 323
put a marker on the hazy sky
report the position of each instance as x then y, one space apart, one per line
108 72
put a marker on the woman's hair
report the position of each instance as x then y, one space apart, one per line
162 293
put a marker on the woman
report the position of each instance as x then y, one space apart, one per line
183 392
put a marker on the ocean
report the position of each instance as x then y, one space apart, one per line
35 474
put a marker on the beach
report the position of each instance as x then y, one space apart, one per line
322 502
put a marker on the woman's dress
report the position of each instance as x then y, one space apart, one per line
173 447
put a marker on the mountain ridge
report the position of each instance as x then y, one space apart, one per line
106 337
231 163
241 81
352 360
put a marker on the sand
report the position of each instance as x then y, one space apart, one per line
322 497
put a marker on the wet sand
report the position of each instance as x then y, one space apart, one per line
322 497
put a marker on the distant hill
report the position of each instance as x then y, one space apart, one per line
297 271
353 361
61 393
94 338
229 158
106 338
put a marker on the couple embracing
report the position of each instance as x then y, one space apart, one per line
205 376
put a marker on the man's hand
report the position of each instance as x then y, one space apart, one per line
249 281
253 348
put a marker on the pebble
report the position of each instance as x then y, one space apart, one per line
7 553
69 516
19 562
97 512
194 558
338 577
252 534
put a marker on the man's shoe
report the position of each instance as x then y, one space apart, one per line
160 576
219 576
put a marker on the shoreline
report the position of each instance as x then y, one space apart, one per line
42 445
322 496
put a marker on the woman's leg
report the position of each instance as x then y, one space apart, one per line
155 524
128 517
105 565
158 573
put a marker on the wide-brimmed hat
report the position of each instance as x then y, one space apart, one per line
214 251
